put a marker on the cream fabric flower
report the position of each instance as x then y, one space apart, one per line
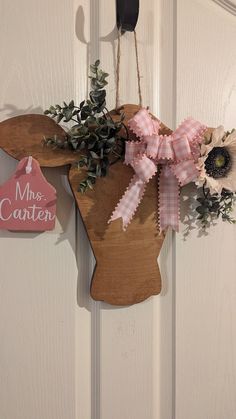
217 164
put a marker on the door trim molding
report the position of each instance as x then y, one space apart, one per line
227 5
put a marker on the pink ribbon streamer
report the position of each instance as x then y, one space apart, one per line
176 154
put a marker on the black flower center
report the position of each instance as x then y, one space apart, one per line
218 162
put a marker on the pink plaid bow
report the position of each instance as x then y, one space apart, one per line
176 154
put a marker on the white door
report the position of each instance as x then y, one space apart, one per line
63 356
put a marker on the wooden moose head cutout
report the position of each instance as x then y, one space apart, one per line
126 271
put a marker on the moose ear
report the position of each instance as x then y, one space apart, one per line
23 135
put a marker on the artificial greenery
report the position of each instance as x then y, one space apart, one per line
213 206
99 141
94 135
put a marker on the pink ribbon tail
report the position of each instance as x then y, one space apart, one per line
168 200
129 202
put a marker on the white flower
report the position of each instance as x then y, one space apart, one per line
217 164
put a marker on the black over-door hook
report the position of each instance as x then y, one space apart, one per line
127 14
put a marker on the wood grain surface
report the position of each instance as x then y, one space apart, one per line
126 262
23 135
126 271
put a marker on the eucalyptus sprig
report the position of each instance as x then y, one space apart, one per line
94 135
213 206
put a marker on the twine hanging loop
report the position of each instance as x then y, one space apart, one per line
118 69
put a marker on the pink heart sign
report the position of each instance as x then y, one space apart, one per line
27 200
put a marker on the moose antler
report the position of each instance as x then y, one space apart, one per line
126 271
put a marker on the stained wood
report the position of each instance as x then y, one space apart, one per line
23 135
127 271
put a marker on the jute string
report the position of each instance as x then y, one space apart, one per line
118 69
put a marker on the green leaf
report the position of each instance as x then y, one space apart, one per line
93 68
52 110
201 210
94 155
82 104
74 143
93 180
91 120
89 183
68 114
59 118
92 174
71 104
82 145
92 141
201 200
98 170
100 143
85 112
96 134
111 141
